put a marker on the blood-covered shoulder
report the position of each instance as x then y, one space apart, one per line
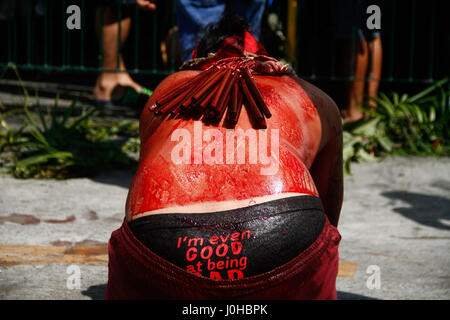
327 109
174 80
170 82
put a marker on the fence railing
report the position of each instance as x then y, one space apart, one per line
415 41
38 37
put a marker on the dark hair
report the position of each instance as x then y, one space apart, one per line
215 33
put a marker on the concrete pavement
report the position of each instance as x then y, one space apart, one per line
395 227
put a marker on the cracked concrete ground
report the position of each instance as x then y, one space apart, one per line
395 227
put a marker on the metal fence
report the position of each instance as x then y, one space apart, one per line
415 38
38 37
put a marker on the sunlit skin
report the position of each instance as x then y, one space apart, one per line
310 161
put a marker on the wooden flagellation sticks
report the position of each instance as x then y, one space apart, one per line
226 85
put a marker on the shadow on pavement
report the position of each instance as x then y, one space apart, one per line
424 209
96 292
121 178
441 184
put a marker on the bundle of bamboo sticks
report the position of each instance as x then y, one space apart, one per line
219 88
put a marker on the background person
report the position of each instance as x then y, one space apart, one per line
365 52
193 16
110 85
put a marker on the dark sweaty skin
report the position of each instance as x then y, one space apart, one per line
152 191
327 168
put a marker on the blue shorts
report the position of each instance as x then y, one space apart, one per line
194 15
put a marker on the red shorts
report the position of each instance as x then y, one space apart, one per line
135 272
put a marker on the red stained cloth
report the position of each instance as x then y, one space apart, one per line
234 46
135 272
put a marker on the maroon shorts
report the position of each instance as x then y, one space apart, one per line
136 272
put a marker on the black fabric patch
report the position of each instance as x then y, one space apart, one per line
235 243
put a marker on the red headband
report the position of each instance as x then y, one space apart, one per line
235 46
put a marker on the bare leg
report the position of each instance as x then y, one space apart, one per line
107 81
376 50
356 94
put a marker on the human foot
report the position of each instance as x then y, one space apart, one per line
351 115
105 88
